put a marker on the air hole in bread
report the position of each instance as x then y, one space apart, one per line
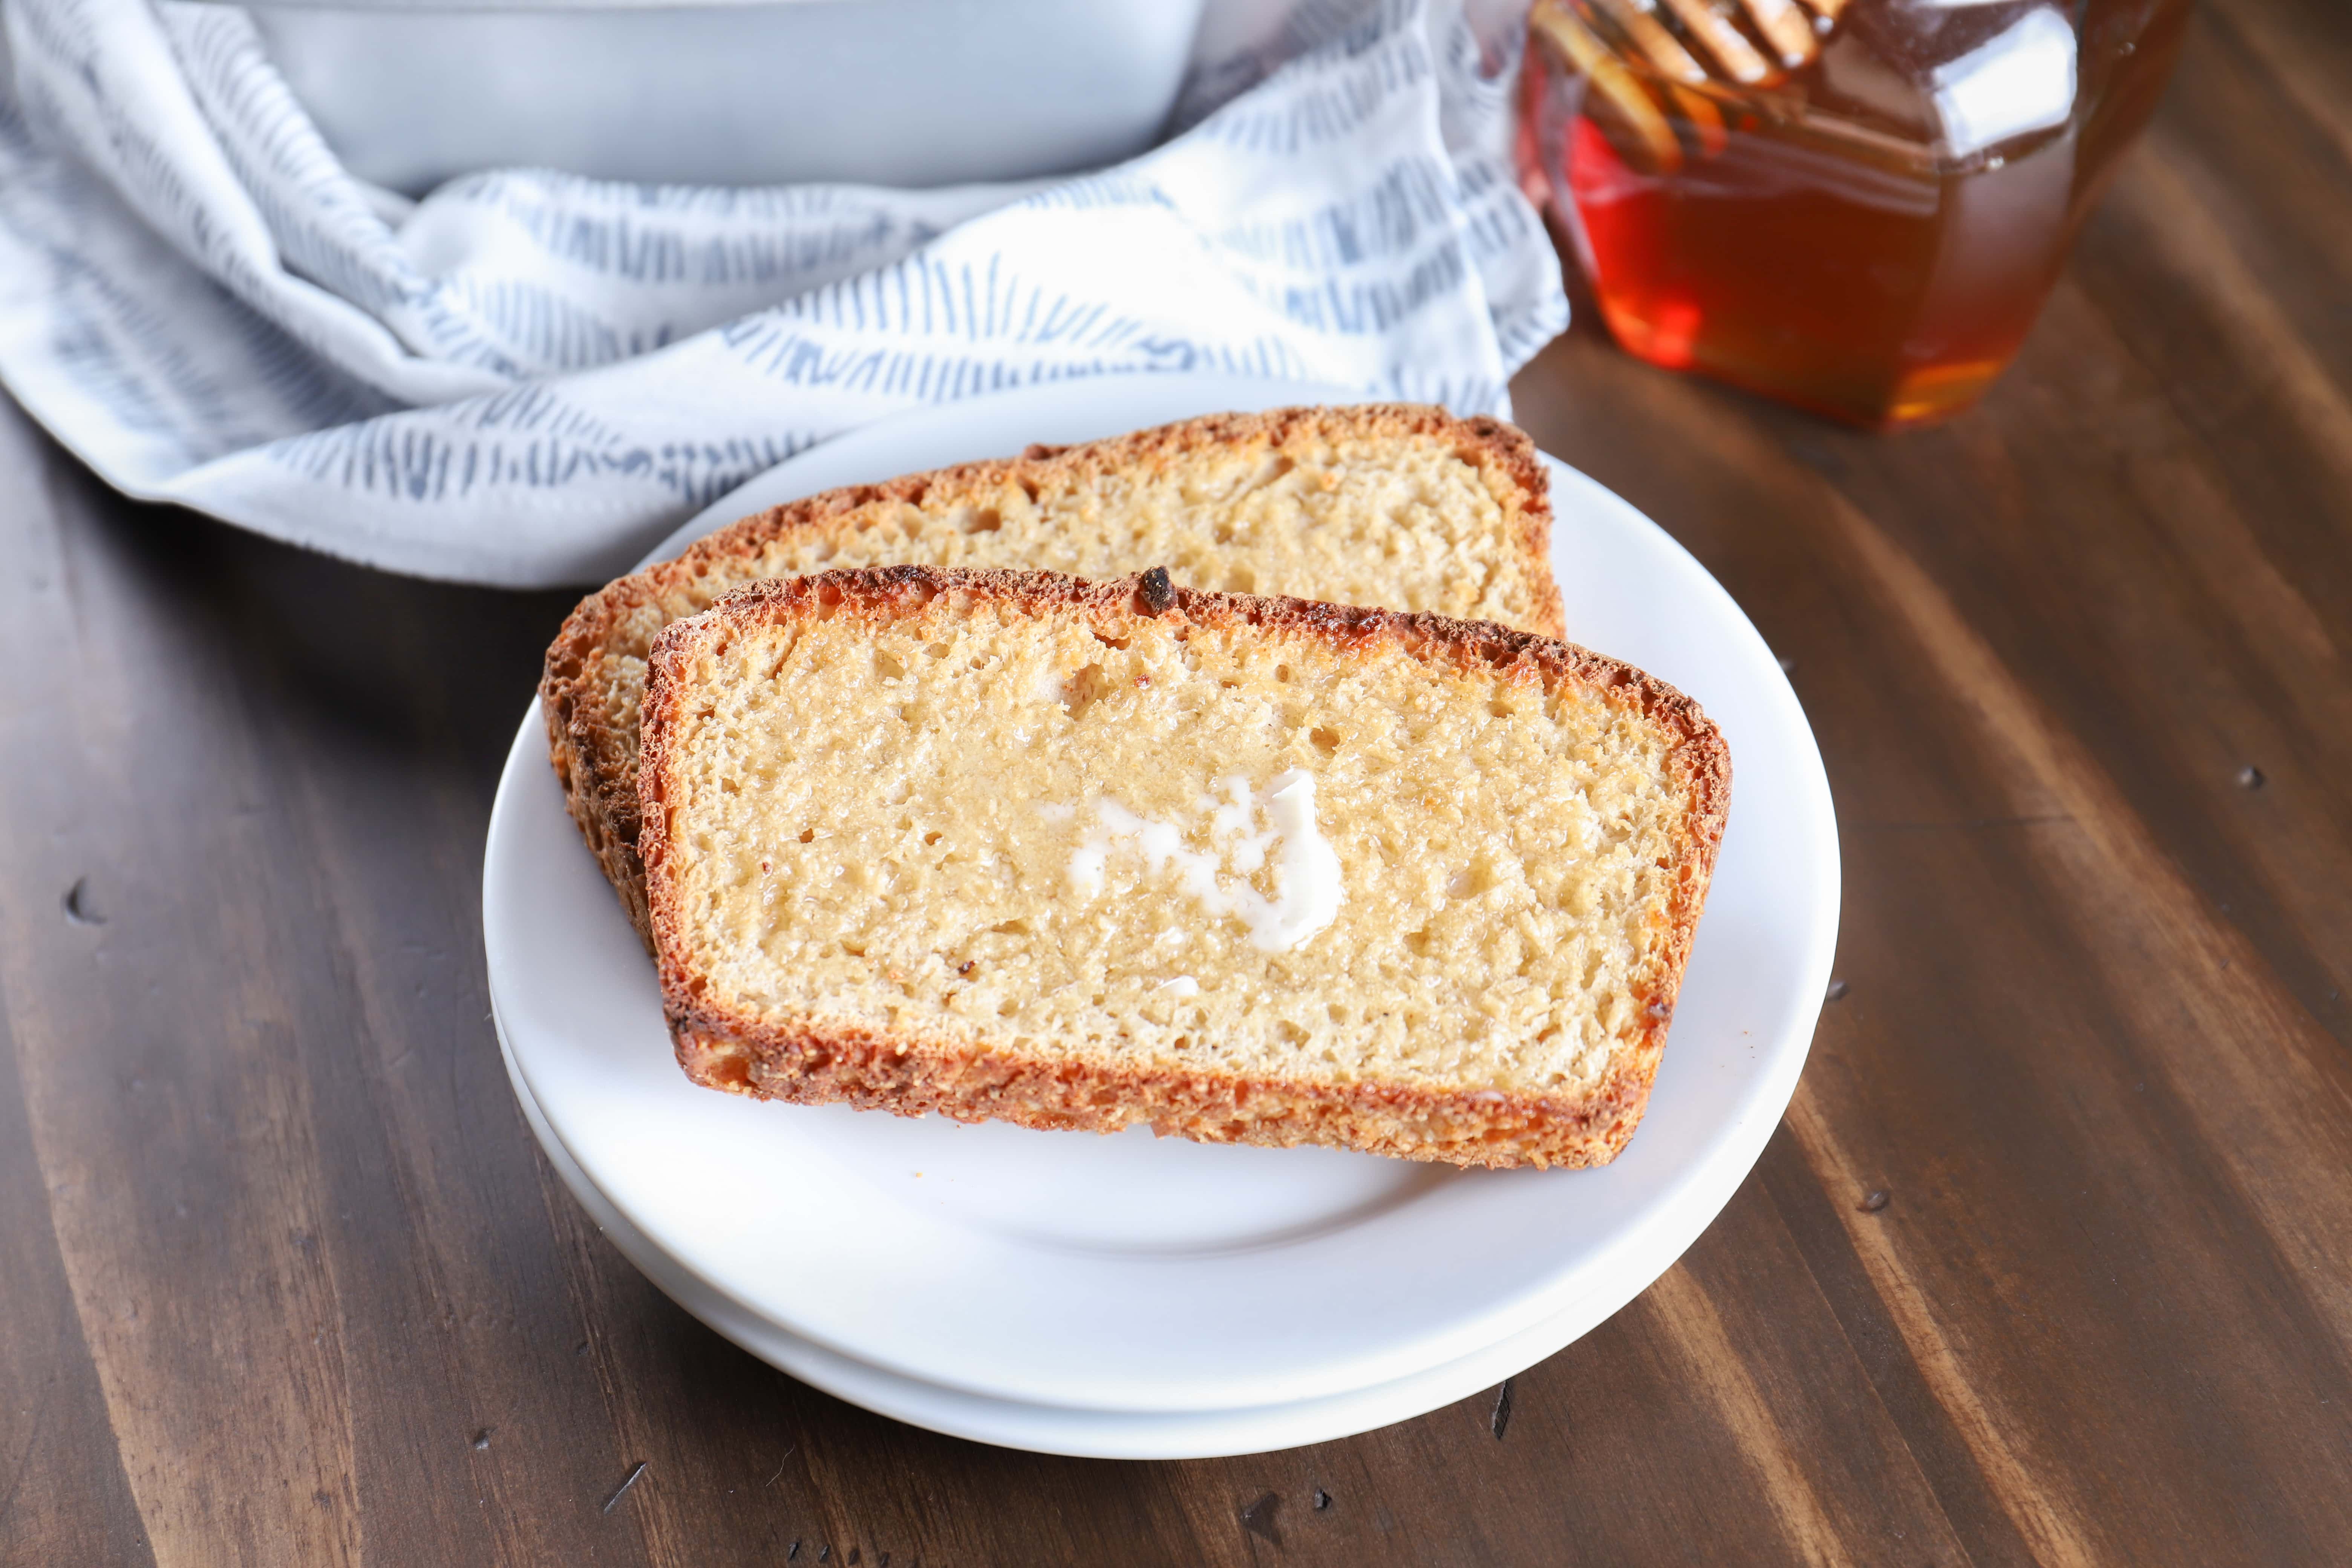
1084 690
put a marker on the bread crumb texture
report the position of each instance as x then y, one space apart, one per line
1396 506
1006 844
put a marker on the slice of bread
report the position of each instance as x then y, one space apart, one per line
1397 506
1082 855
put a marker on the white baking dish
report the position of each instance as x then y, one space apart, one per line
897 92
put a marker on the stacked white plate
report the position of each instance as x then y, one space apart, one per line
1127 1296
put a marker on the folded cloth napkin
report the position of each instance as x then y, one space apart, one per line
528 377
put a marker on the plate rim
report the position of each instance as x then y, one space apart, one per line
1070 1431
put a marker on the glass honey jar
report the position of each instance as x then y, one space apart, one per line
1854 205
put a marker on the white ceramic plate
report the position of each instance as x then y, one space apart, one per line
1126 1275
1094 1434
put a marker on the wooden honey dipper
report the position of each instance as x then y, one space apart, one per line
1690 45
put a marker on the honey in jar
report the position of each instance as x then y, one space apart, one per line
1858 208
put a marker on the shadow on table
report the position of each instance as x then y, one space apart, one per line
379 658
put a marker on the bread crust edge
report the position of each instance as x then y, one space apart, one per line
811 1061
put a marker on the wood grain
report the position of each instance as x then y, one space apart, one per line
284 1279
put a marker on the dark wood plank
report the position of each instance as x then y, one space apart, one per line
283 1278
62 1491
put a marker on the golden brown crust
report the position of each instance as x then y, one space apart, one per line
595 757
820 1065
814 1059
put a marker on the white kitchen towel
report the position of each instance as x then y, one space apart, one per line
528 377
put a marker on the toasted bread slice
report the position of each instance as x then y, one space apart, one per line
1396 506
1085 854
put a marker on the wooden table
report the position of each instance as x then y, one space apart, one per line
283 1278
